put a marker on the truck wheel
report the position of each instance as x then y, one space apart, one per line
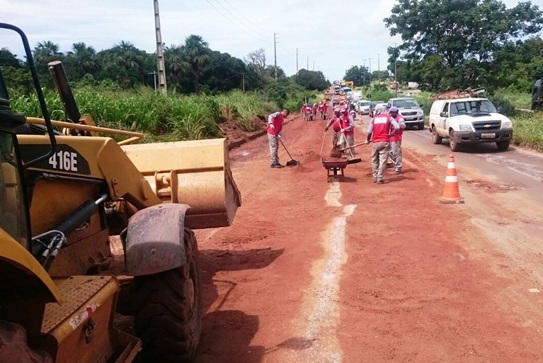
169 309
452 143
502 145
436 139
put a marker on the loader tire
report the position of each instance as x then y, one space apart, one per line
168 305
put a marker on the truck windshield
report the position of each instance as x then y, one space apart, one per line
12 207
472 107
405 103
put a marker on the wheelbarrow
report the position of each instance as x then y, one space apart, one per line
335 167
335 164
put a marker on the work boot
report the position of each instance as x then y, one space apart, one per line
278 166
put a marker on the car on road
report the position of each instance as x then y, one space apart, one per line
468 121
378 106
372 106
363 107
410 111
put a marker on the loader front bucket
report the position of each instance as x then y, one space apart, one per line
196 173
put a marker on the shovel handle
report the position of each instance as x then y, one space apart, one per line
355 145
323 139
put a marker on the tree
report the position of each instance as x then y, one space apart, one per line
80 61
358 74
9 59
44 53
311 80
466 33
175 64
270 72
223 73
256 60
195 54
125 64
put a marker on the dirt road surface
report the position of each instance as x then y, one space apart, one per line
351 271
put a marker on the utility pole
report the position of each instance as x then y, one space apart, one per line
369 59
364 82
275 53
296 60
159 53
313 66
154 73
243 82
396 72
307 63
378 63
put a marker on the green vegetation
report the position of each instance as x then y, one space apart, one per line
528 131
453 47
166 118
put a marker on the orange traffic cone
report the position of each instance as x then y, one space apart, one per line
451 192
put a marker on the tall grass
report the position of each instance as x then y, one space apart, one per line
527 129
166 118
244 108
517 99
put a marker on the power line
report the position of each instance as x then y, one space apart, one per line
239 15
230 20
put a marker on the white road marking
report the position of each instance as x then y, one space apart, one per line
321 300
333 194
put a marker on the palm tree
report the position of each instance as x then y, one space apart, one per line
175 64
196 54
44 53
85 58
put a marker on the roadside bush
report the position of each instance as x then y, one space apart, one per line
517 99
527 129
379 94
503 105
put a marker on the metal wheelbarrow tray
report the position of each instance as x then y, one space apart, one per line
335 167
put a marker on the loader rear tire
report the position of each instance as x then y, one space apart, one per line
169 309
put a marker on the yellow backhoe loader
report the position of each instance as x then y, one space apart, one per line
91 228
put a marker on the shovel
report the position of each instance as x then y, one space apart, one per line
291 162
353 160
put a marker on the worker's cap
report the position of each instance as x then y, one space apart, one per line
393 109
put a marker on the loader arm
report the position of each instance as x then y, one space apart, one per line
196 173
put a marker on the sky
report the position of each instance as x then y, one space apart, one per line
326 36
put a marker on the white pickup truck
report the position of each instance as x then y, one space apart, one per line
467 121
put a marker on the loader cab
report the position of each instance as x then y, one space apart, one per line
13 211
14 216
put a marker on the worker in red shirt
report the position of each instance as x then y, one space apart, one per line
275 127
396 140
335 123
347 132
320 109
381 127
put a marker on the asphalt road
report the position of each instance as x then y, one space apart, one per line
516 169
